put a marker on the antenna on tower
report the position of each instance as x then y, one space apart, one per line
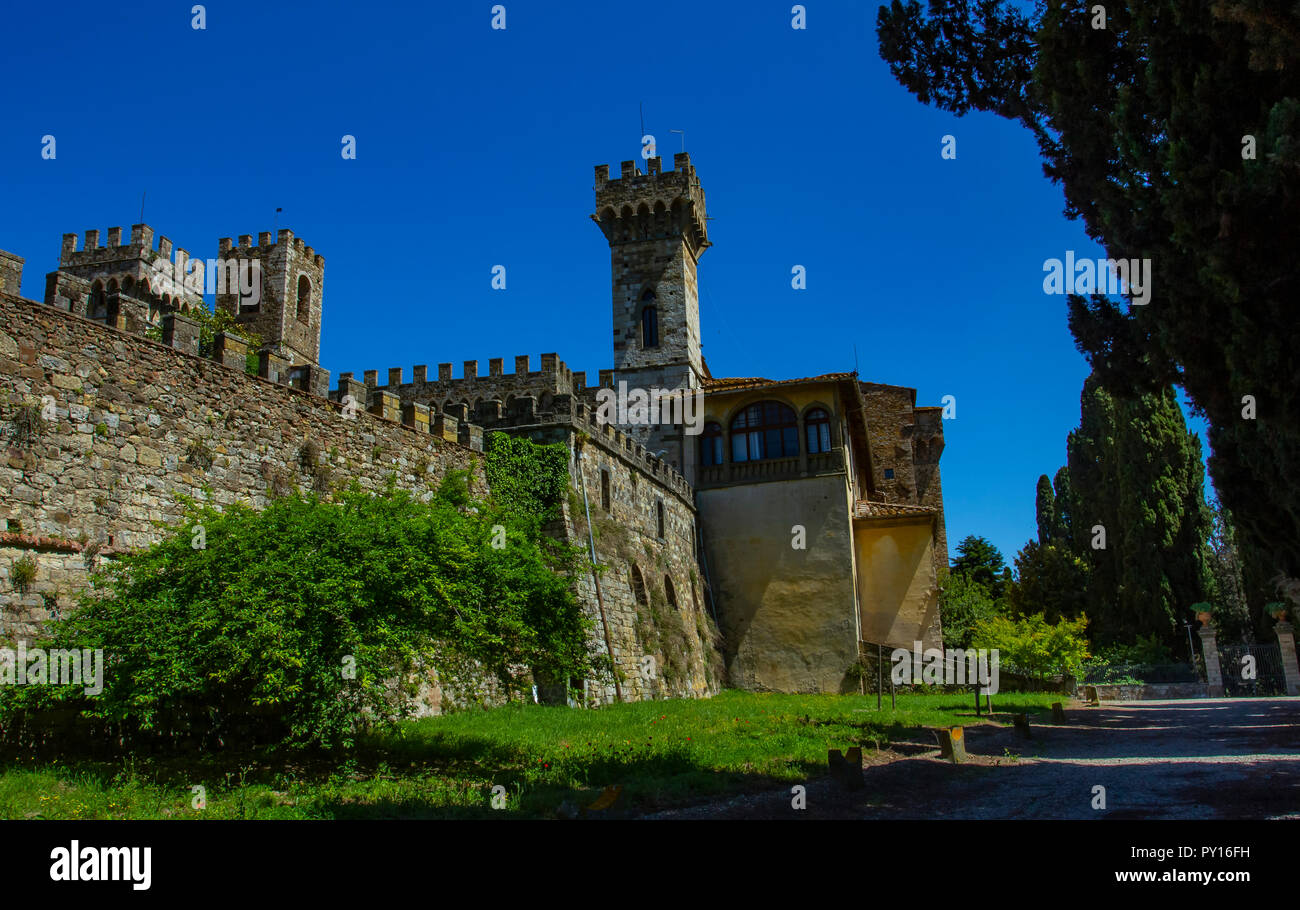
142 195
855 358
683 132
641 107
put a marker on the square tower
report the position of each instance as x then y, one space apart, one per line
656 228
285 307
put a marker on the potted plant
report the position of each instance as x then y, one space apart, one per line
1203 613
1276 609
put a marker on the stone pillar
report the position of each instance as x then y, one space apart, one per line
1286 641
181 333
1210 651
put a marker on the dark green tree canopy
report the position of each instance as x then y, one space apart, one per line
1173 132
981 562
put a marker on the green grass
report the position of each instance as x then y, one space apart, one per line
663 754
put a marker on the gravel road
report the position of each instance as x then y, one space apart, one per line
1186 759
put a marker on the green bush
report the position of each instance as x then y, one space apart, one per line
527 479
249 637
1031 646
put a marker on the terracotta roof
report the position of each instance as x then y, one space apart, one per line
866 509
753 382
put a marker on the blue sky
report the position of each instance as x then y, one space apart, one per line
475 147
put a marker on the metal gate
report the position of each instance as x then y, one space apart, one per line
1239 663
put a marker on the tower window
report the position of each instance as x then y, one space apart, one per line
659 519
818 424
304 298
649 320
711 444
670 593
889 473
764 430
638 587
604 490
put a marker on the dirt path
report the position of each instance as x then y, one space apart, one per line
1194 758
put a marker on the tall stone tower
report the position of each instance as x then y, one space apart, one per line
656 228
286 308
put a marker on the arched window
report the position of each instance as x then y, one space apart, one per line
98 303
670 592
304 298
638 587
711 444
604 489
767 429
659 519
818 424
649 320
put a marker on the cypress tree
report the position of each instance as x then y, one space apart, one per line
1045 505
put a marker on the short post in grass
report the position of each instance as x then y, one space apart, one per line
1091 693
952 744
1058 713
1022 725
880 663
847 769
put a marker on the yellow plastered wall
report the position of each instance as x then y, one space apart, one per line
897 589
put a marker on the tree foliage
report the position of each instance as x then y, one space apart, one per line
1173 132
980 561
303 622
1033 646
963 604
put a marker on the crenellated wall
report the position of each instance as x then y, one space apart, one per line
130 426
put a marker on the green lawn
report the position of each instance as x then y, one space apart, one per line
663 754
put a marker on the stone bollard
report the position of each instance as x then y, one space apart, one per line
1022 725
1058 713
1210 651
1090 692
1286 641
847 769
952 744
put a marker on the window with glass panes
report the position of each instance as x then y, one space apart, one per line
711 444
767 429
818 427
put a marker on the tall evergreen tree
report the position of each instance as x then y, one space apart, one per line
1045 506
981 562
1136 471
1174 131
1064 496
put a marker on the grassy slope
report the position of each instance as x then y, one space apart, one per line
663 754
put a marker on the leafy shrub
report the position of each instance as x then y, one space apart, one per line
249 637
1032 646
23 574
527 479
963 604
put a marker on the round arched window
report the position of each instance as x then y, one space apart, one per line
304 298
766 429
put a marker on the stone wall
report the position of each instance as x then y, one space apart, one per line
133 425
666 615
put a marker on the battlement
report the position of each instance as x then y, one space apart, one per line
658 203
138 267
263 249
570 413
553 376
